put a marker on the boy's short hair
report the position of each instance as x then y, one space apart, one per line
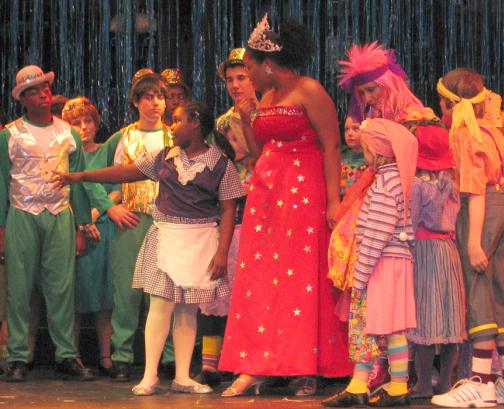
149 82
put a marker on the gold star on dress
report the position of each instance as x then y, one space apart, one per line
289 232
261 329
306 200
310 230
307 249
294 190
297 312
280 203
300 178
266 354
290 272
242 264
296 162
275 281
252 210
243 354
309 288
257 256
275 256
258 228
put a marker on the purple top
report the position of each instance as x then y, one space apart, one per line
198 197
435 203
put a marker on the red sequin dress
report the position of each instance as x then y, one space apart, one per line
282 320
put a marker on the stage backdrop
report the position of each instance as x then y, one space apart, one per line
95 46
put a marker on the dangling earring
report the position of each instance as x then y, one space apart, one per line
268 70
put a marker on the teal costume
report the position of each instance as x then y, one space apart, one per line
93 282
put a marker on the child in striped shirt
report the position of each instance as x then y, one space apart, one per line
384 267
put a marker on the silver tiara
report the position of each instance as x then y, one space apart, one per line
258 40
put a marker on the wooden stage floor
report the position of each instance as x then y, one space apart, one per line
44 392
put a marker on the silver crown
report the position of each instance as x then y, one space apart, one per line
258 40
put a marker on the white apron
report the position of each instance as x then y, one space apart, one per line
185 252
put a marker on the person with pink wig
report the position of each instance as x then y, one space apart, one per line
379 88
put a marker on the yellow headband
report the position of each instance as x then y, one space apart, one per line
463 111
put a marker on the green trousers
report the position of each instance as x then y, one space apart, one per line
40 248
127 300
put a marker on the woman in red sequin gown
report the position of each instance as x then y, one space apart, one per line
282 320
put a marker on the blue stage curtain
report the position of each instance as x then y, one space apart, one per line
95 46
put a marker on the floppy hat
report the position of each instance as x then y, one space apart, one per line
28 77
433 149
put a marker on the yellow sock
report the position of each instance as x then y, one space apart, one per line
212 346
397 388
357 386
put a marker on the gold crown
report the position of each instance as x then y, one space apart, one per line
259 40
173 76
142 72
235 57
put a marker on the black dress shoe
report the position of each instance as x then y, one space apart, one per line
120 372
71 369
346 399
16 372
383 399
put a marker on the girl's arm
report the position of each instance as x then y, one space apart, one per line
382 217
477 256
113 174
218 265
324 119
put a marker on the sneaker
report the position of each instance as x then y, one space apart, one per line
499 390
468 393
70 368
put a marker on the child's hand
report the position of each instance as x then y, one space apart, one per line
122 217
331 213
92 232
61 179
477 258
218 265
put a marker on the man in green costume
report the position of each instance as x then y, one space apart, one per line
39 225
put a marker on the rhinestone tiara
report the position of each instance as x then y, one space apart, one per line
259 40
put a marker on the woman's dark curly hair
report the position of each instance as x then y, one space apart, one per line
296 43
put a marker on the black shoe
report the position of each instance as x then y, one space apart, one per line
383 399
102 370
120 372
70 368
346 399
168 370
211 378
16 372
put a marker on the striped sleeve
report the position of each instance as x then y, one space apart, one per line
380 219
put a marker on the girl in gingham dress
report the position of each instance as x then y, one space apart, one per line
183 259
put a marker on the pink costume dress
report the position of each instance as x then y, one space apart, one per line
281 320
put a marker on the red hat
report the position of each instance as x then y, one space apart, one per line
433 148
